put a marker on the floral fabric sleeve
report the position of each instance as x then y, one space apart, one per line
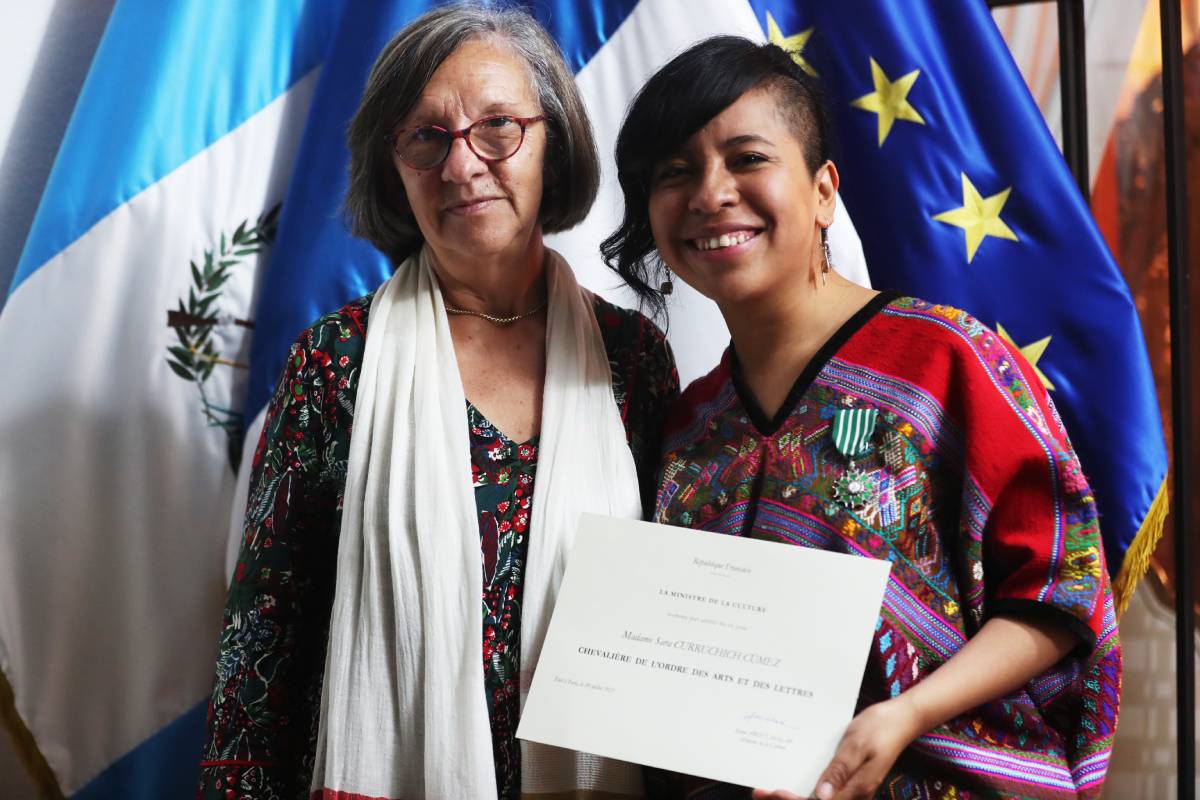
265 704
645 385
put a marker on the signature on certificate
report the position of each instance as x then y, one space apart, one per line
755 716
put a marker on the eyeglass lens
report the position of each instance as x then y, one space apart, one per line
427 146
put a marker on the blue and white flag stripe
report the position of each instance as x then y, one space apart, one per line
111 578
167 81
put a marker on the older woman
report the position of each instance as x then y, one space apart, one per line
394 584
875 425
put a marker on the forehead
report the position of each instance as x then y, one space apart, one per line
479 75
756 114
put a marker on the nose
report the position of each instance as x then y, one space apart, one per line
461 164
716 189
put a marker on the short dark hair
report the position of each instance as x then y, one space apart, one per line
375 201
680 99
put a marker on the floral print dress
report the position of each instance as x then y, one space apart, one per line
264 712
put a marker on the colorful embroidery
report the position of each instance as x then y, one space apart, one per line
978 503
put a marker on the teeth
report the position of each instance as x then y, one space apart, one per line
724 240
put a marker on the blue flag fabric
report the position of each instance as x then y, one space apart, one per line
961 197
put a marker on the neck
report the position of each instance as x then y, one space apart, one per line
777 334
508 283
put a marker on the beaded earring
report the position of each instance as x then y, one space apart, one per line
828 265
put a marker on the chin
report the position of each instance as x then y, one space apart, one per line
732 288
481 244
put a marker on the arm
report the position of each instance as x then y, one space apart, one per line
645 382
271 647
1006 654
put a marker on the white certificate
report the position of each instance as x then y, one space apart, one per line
733 659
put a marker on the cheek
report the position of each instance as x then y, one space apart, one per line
412 194
523 173
423 209
661 217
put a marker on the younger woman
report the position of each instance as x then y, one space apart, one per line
876 425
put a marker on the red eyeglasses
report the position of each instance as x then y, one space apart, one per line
491 138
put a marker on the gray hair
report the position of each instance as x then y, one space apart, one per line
375 200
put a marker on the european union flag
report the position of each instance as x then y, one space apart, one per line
960 196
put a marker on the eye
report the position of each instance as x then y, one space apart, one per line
497 122
668 172
426 133
749 159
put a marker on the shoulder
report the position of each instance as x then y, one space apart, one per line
958 334
905 322
644 379
336 339
626 329
326 355
978 376
638 352
704 397
348 323
702 390
935 345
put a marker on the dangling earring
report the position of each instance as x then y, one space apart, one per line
828 265
666 287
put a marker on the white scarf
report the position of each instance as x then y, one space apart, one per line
403 712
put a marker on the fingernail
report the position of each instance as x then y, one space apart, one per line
825 791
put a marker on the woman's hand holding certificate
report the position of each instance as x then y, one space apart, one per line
733 659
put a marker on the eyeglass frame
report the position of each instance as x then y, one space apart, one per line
465 135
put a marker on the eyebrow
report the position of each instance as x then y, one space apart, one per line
745 138
732 141
491 109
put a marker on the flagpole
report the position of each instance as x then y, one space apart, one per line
1072 66
1181 401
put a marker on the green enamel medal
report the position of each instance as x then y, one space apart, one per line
852 429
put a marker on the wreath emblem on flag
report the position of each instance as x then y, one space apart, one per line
194 356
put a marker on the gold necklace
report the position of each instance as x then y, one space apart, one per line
497 320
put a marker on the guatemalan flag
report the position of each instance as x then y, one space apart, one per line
191 227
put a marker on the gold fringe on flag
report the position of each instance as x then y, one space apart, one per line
25 746
1137 557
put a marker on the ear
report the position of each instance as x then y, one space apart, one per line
825 184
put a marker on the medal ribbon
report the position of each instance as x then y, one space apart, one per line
852 429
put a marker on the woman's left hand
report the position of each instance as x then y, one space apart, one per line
1003 656
870 746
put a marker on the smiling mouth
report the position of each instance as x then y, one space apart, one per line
723 241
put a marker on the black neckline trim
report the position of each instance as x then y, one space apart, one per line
768 427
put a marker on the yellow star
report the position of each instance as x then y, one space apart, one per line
793 45
978 216
1032 352
890 100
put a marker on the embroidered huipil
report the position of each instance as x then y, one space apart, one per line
264 712
971 491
